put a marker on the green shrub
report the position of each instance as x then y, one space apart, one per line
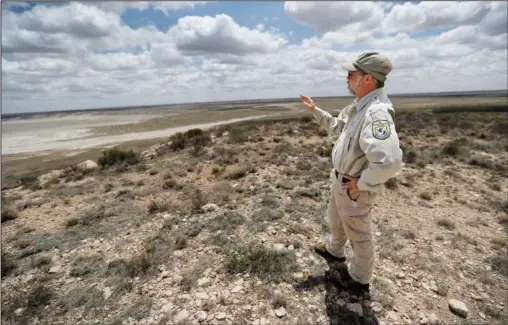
237 135
8 264
481 162
425 196
194 137
8 214
29 181
259 261
447 223
456 148
116 156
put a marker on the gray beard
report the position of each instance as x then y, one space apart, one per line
351 91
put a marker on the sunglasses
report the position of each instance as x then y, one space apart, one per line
350 73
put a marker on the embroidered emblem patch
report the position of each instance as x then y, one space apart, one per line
381 129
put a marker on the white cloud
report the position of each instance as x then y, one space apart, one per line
410 17
72 28
167 7
119 61
166 54
496 21
221 34
80 20
335 15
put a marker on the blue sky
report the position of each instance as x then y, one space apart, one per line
96 54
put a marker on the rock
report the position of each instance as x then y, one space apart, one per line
238 282
424 321
202 295
87 165
178 253
29 278
107 293
18 311
166 309
298 276
482 315
209 207
341 302
201 316
434 288
221 315
458 307
433 319
236 289
203 281
291 248
55 269
476 297
392 315
278 247
376 307
357 308
280 312
425 204
182 316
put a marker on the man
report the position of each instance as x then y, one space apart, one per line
364 157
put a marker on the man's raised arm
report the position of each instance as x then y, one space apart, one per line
326 121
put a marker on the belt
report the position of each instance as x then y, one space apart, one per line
344 180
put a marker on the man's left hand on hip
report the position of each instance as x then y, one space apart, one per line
352 184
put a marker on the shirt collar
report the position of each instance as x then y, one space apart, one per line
367 98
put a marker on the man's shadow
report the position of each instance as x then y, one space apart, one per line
337 297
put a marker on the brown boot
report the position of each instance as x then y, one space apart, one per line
347 281
321 250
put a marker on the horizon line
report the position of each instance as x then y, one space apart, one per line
241 100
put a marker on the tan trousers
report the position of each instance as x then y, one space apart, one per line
349 218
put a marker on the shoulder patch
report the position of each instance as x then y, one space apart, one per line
381 129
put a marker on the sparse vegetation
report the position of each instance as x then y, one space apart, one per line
8 264
446 223
391 183
425 195
196 138
8 214
456 148
270 182
156 206
259 261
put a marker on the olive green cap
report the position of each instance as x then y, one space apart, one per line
373 63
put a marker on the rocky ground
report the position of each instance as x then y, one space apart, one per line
218 227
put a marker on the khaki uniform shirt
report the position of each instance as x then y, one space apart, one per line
368 145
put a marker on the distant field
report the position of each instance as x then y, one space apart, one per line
288 110
183 119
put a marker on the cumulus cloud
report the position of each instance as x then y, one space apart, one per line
411 17
221 34
167 7
335 15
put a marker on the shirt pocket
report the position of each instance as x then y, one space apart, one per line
350 136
